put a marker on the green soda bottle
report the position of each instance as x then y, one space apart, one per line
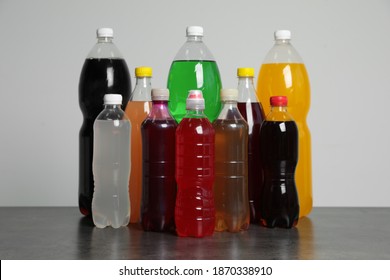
194 68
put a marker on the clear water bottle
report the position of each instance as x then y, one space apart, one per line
195 136
111 165
231 166
137 110
158 165
252 111
194 67
104 70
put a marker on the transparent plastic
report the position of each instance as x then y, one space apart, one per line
104 71
137 110
158 161
231 168
104 48
111 165
252 111
194 172
194 67
279 155
284 73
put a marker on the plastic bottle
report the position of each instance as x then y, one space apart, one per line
158 168
111 165
137 110
231 166
279 154
194 67
252 111
104 71
195 136
284 73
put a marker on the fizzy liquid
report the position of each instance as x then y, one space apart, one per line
291 80
110 203
188 75
98 77
254 116
159 184
231 175
279 154
136 111
194 210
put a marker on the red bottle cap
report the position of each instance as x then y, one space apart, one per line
278 101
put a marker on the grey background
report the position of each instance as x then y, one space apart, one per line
345 45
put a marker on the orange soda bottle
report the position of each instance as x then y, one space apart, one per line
137 110
284 73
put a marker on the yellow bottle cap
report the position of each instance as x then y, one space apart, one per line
143 71
245 72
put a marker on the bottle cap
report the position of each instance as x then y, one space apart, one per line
143 71
229 94
282 35
278 101
112 99
195 100
160 94
105 32
245 72
194 31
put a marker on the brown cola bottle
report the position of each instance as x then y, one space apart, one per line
279 156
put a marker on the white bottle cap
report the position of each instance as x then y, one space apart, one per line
229 94
160 94
282 35
194 31
112 99
105 32
195 100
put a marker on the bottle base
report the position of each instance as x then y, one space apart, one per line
281 222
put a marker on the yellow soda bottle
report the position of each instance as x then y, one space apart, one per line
284 73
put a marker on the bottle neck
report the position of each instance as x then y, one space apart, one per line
195 113
279 113
246 90
278 108
142 89
112 106
160 110
229 104
160 105
104 40
229 110
282 41
194 38
143 82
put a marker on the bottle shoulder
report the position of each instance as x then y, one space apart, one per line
279 116
199 125
230 113
194 51
282 53
112 115
105 50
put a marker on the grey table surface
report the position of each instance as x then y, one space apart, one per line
56 233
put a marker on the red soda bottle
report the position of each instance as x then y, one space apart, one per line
195 136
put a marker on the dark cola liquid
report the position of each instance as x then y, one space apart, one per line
279 154
98 77
254 116
158 181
